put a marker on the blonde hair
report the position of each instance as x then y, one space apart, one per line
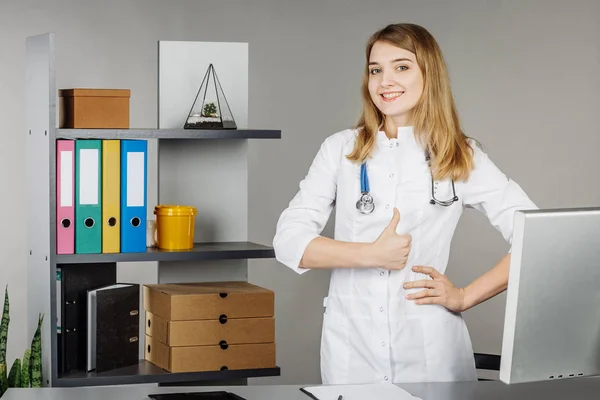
434 118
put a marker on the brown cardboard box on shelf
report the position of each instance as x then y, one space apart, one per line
94 108
210 358
210 332
208 300
209 326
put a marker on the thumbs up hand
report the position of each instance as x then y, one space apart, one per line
391 249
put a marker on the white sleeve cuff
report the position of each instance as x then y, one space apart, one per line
289 251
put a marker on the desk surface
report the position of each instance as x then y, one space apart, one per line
572 389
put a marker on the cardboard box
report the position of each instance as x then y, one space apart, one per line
210 358
209 326
210 332
208 301
94 108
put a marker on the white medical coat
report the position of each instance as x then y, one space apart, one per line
371 333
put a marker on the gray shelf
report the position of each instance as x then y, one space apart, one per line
200 252
146 372
167 134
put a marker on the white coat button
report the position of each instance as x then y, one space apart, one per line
391 145
397 144
385 377
381 273
382 344
381 309
391 175
387 206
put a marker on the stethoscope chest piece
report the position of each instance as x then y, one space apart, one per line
365 204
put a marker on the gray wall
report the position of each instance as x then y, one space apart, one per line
525 76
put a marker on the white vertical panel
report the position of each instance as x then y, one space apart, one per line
208 174
40 105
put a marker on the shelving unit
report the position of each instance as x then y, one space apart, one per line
189 161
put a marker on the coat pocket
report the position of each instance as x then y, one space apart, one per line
408 351
335 348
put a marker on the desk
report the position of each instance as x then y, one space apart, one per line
571 389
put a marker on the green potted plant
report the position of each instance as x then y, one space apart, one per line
26 372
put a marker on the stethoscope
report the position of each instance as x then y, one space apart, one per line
366 205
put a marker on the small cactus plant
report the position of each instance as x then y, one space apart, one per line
210 110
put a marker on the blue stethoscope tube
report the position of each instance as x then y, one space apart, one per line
364 179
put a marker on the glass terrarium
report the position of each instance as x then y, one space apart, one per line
210 109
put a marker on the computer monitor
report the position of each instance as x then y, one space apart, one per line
552 319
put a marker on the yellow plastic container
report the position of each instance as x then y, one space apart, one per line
175 227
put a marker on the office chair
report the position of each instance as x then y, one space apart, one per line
489 362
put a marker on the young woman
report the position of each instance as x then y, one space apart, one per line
399 182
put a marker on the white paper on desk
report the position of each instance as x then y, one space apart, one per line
379 391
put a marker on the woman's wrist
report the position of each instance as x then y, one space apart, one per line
369 256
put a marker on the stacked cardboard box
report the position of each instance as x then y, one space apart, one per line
209 326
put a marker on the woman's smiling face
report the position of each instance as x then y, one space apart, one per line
395 81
